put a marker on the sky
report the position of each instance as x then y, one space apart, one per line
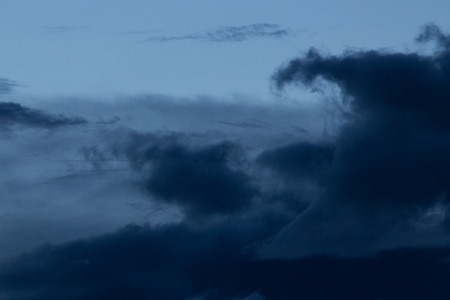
202 150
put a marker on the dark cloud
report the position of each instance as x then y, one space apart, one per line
6 85
181 262
172 262
17 114
388 161
71 183
203 179
394 145
299 160
231 34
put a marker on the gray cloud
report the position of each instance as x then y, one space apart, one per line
231 34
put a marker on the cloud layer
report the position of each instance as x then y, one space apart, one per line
180 262
266 207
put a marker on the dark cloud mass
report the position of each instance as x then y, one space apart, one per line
231 34
299 160
360 214
203 180
16 114
179 262
394 146
390 159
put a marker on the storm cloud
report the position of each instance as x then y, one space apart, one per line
393 147
389 160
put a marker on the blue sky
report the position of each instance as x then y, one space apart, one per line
200 150
98 47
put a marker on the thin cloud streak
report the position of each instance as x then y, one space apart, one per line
230 34
15 114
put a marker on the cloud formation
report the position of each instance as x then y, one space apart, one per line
231 34
389 159
95 167
361 214
393 146
182 262
16 114
203 179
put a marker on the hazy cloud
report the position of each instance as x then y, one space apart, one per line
6 85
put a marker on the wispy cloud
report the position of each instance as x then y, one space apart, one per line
6 85
16 114
230 34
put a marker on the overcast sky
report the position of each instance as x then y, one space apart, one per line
229 150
